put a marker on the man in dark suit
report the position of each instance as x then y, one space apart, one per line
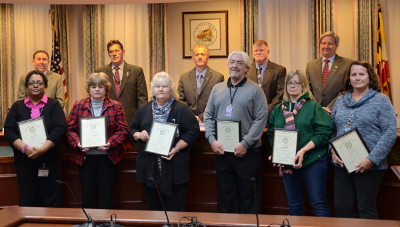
55 89
195 86
268 75
128 85
326 75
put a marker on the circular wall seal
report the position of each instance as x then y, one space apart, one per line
205 33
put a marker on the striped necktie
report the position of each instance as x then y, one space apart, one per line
259 77
325 72
117 81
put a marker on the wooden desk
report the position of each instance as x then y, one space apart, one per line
28 216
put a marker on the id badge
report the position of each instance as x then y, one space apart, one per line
228 112
347 128
43 172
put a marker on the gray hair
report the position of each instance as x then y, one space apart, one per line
246 60
167 78
330 33
200 46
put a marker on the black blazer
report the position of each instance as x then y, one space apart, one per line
175 171
55 125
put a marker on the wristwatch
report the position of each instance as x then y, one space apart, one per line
177 150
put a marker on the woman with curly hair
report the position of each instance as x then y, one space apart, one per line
363 107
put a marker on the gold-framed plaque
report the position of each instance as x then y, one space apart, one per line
285 146
351 149
161 139
228 134
33 131
93 132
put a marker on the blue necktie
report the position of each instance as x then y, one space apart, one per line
199 80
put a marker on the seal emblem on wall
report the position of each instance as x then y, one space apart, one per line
205 34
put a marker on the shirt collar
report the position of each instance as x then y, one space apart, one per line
331 59
203 73
120 66
44 100
263 66
229 83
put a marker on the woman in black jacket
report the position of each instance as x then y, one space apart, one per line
171 173
37 166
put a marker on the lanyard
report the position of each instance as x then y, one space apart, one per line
230 94
350 116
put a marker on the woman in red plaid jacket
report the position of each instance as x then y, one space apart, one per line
97 165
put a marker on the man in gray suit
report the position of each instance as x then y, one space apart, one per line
326 75
195 86
128 85
268 75
55 89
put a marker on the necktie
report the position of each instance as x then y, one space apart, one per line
117 81
199 80
325 72
259 77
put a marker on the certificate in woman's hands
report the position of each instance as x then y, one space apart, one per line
161 139
93 132
285 146
33 131
351 149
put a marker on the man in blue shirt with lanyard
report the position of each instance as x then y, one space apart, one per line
237 100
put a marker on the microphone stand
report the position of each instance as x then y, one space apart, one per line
169 224
90 222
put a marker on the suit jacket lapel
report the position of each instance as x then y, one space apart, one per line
334 69
111 79
49 74
318 73
267 73
125 77
207 78
193 80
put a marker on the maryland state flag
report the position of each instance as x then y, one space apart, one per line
382 63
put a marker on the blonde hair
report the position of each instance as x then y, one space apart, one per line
98 79
167 78
303 82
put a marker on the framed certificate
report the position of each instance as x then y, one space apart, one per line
285 146
228 134
161 139
93 132
351 149
33 131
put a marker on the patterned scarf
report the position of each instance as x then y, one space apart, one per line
289 124
289 116
161 113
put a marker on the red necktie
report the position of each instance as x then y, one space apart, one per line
117 81
325 72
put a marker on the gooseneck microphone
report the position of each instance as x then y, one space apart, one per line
169 224
255 198
90 222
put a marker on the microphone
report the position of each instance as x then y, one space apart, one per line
169 224
90 222
255 198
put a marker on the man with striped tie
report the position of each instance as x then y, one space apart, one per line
128 84
326 75
195 85
268 75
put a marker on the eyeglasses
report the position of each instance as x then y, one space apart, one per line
293 84
32 83
114 51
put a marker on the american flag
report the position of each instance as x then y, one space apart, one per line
57 66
